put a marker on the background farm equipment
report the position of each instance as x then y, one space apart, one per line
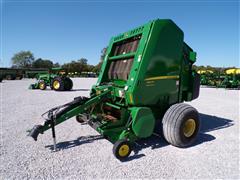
34 73
231 79
56 79
19 73
11 73
146 75
207 77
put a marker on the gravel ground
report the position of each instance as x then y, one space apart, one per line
85 155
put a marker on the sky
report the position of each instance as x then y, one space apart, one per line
63 30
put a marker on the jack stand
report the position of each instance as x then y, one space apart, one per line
53 132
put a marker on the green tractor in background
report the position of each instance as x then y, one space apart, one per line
56 79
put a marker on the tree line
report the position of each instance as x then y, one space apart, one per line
26 59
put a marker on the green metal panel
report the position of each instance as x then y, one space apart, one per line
157 64
145 70
143 121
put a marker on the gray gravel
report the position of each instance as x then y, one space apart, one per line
85 154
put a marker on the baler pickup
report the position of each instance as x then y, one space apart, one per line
145 76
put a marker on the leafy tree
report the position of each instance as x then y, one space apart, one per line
40 63
77 66
83 61
23 59
56 65
82 64
99 65
103 54
90 68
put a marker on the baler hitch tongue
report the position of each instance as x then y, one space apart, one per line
35 131
41 128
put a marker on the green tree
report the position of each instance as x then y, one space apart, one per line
77 66
56 65
83 61
41 63
99 65
82 64
23 59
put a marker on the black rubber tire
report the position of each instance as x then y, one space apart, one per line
43 83
173 123
9 77
118 145
19 77
1 79
79 119
60 80
68 84
51 85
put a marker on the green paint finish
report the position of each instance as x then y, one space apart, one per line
143 121
144 72
161 52
123 56
193 56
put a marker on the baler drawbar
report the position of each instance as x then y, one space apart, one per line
145 76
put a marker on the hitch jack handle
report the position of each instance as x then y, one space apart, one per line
53 131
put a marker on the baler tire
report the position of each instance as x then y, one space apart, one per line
68 84
42 85
181 125
60 81
122 149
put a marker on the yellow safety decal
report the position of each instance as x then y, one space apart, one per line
130 98
150 82
161 77
150 85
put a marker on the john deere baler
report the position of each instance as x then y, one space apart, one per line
146 75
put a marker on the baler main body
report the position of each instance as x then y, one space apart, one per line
148 69
145 71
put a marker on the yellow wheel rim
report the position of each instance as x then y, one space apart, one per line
56 85
41 85
189 127
124 150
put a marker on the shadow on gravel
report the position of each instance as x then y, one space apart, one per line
80 90
208 123
73 143
48 89
211 123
